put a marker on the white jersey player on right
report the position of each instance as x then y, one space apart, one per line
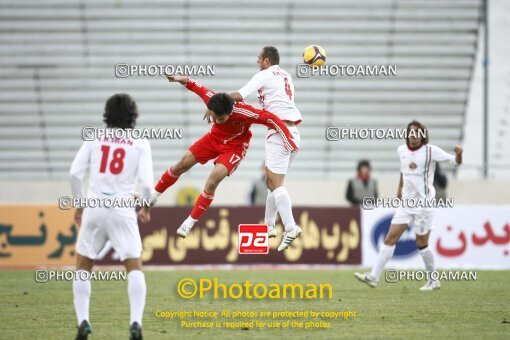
276 95
417 165
114 166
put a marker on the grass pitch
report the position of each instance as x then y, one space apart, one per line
473 309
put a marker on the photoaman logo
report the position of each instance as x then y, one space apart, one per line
189 288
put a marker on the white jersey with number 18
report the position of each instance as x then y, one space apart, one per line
114 165
276 93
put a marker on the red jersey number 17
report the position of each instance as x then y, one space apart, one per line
234 159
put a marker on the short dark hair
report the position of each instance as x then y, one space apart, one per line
271 52
421 127
120 111
221 104
363 163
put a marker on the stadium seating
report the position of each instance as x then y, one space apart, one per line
58 57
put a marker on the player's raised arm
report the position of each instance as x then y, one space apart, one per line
196 87
177 79
439 155
192 85
255 83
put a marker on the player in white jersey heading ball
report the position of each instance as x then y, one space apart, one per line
276 95
114 166
417 165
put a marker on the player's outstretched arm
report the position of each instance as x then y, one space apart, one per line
255 83
272 121
439 155
177 79
192 85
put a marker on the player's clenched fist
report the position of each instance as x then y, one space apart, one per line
458 149
177 79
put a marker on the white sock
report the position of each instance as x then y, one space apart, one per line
385 255
81 292
190 220
284 206
136 292
271 209
154 194
428 259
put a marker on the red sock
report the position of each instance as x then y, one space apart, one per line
201 205
167 179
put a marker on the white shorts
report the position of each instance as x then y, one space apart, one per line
278 158
100 225
420 218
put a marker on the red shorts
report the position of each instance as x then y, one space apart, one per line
230 154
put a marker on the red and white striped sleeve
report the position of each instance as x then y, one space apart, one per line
268 119
202 91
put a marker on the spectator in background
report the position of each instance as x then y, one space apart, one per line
440 183
258 192
361 186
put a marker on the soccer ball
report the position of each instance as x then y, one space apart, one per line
314 55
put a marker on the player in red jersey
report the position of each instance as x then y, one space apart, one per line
226 143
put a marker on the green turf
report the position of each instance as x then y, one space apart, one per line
479 309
